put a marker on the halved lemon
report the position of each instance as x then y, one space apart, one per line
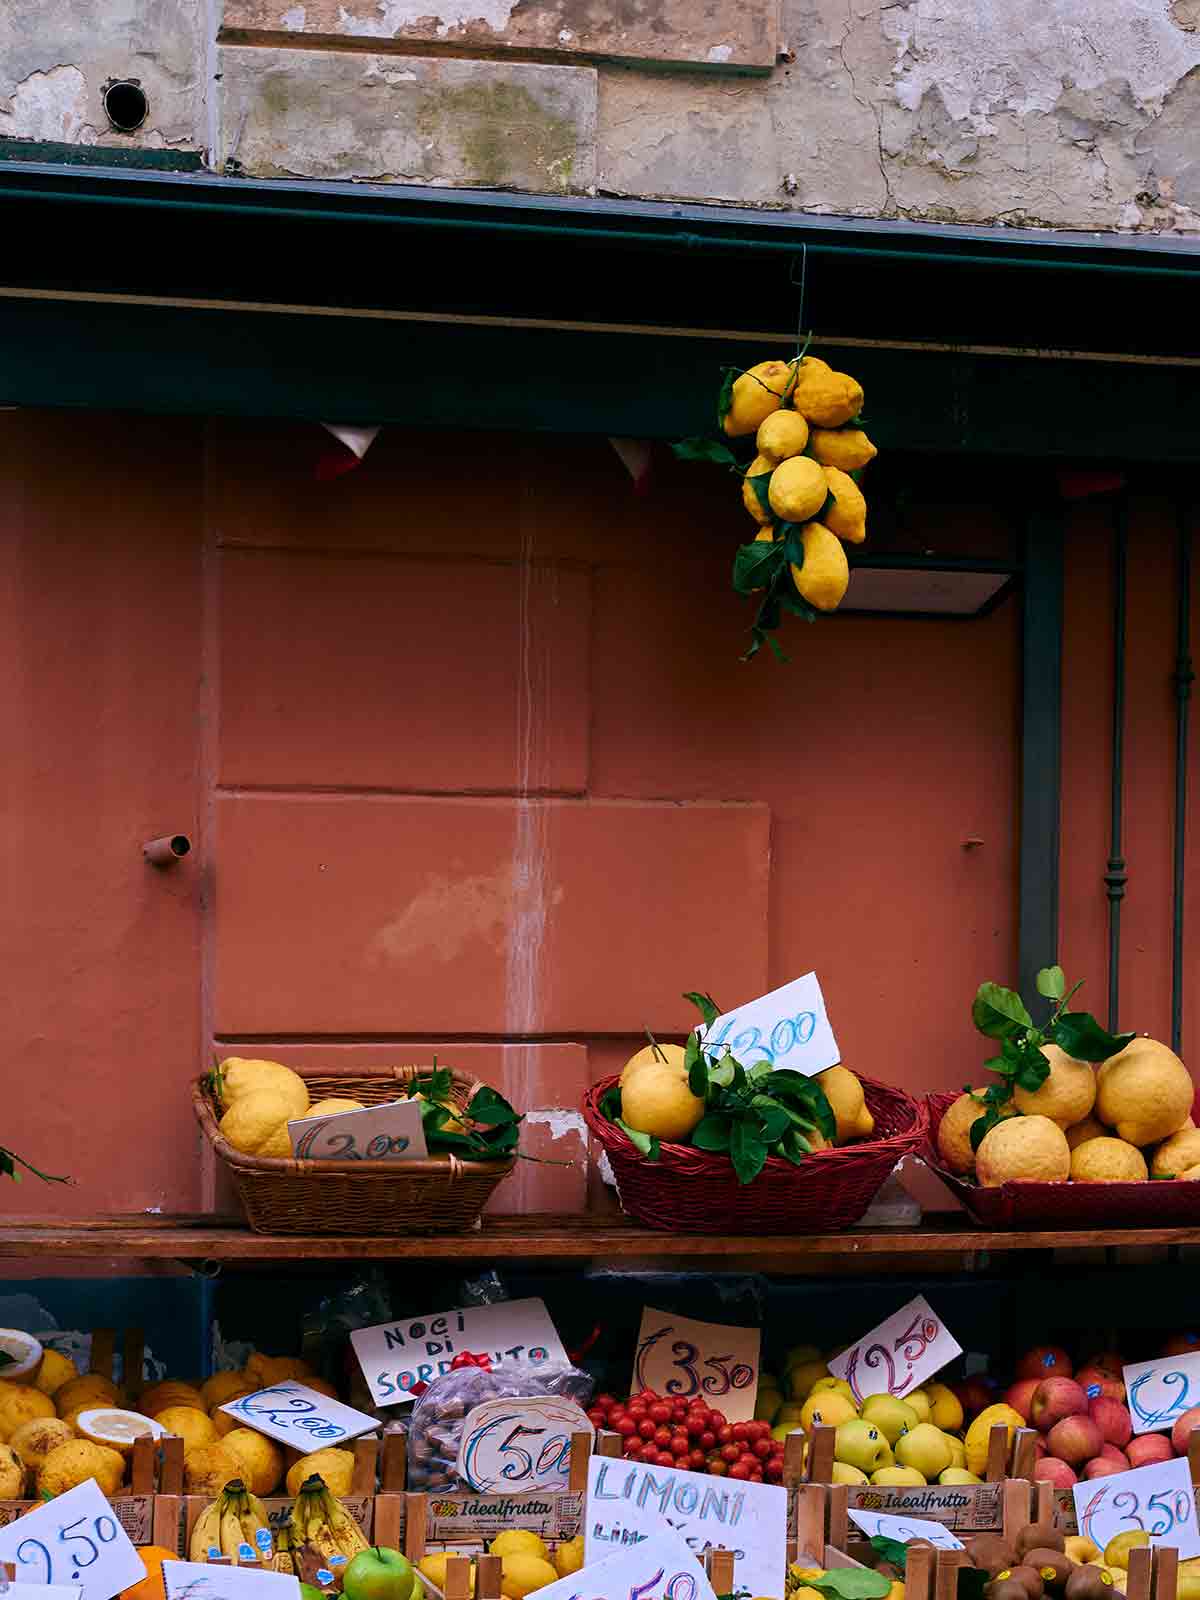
23 1351
117 1429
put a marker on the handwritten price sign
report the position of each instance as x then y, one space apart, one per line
899 1354
519 1444
660 1567
1158 1499
679 1358
73 1539
1160 1391
298 1416
392 1132
194 1580
902 1529
788 1028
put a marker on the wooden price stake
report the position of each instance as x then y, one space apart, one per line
718 1564
458 1578
488 1573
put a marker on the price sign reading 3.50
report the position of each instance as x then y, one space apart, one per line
680 1358
1157 1500
74 1539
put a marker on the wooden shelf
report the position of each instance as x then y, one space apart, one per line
943 1243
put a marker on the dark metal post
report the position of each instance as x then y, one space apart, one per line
1115 876
1184 676
1041 745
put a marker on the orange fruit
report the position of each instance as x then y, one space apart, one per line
151 1586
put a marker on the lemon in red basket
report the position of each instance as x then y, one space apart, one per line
652 1055
954 1132
1066 1095
656 1100
848 1103
1030 1148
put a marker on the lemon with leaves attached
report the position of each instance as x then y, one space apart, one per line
847 448
828 399
1067 1094
825 575
1107 1161
798 489
657 1101
755 395
1144 1092
954 1131
759 467
237 1076
783 434
848 1103
847 516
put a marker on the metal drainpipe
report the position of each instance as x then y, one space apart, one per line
1184 676
1115 876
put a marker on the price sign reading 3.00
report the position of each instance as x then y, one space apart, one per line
74 1539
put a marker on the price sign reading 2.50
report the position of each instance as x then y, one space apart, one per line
74 1539
519 1444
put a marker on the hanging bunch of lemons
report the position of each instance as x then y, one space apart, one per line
801 488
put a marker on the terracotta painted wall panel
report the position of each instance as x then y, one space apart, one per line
380 915
382 672
545 1082
99 719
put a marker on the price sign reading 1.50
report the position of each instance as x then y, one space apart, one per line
680 1358
74 1539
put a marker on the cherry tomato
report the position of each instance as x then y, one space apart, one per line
694 1426
707 1439
762 1448
773 1472
636 1408
662 1437
717 1419
660 1411
724 1433
696 1460
628 1427
633 1448
646 1429
605 1400
649 1396
730 1453
717 1467
681 1445
739 1470
756 1477
741 1431
751 1463
598 1419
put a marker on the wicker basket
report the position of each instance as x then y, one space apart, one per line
1064 1205
440 1195
693 1191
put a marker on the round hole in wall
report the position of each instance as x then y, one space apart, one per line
125 105
180 844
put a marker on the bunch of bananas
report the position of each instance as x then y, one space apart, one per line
234 1522
285 1558
323 1531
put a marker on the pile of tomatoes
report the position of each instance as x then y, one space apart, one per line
666 1432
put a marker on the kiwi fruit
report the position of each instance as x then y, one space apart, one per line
1039 1536
1005 1589
1030 1579
1053 1566
1089 1583
992 1554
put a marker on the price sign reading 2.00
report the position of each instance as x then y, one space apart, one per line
519 1444
680 1358
74 1539
295 1414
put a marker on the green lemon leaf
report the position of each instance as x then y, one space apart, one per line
746 1150
698 1077
890 1549
712 1132
702 449
1081 1036
755 564
645 1143
999 1013
1032 1070
851 1583
1052 983
725 1071
705 1005
982 1126
775 1119
725 397
610 1103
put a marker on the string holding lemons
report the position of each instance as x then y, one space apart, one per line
801 487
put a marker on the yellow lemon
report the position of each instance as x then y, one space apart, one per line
782 434
335 1466
1030 1148
954 1132
653 1055
755 394
979 1433
238 1078
260 1459
1116 1551
434 1568
522 1573
828 399
207 1468
189 1423
119 1430
170 1392
256 1124
1067 1095
33 1441
21 1402
957 1475
568 1557
845 1096
847 448
333 1107
801 1377
223 1387
265 1370
1089 1128
797 489
827 1407
12 1474
825 575
847 516
1107 1161
69 1465
947 1412
657 1101
1178 1153
55 1370
750 499
516 1541
1145 1092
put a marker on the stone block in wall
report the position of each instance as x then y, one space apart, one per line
406 119
672 32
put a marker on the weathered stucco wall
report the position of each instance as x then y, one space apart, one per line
1069 113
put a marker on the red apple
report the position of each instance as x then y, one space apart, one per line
1102 1467
1051 1470
1054 1399
1095 1381
974 1395
1074 1440
1182 1430
1045 1361
1110 1361
1113 1420
1181 1344
1039 1447
1019 1396
1148 1448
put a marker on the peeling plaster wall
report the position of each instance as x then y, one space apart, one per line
1067 113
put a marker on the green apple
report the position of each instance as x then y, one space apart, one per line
860 1444
309 1591
379 1574
891 1416
834 1386
958 1475
844 1473
800 1378
958 1450
926 1448
781 1430
921 1404
898 1476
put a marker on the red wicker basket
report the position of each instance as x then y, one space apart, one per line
1064 1205
694 1191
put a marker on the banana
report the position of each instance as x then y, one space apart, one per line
206 1535
284 1560
254 1520
235 1518
322 1526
